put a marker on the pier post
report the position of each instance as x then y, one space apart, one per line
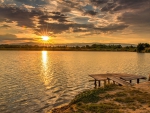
149 78
99 83
130 81
113 82
104 82
108 81
138 81
95 83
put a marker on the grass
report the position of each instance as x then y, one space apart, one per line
111 99
102 108
124 100
92 95
121 94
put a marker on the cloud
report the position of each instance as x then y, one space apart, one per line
12 37
119 5
91 13
134 18
112 27
80 29
65 9
59 16
58 28
22 17
108 7
68 16
32 2
5 26
99 2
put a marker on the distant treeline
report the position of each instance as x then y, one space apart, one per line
142 47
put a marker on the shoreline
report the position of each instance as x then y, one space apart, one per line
70 50
64 50
111 99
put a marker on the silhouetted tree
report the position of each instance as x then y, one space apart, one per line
140 47
87 46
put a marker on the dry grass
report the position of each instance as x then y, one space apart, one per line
111 99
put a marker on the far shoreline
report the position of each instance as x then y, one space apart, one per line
140 48
63 50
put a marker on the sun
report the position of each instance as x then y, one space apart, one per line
45 38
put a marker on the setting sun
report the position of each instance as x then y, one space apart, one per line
45 38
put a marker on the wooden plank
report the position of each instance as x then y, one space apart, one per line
120 74
100 76
133 78
120 81
119 78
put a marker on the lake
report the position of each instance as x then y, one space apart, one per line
37 81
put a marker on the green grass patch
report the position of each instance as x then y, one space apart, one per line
109 99
121 94
124 100
108 96
92 96
103 108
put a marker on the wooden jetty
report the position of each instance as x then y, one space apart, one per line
122 79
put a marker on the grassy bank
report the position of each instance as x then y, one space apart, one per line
111 99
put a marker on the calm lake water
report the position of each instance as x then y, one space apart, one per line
37 81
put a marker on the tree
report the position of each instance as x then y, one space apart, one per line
140 47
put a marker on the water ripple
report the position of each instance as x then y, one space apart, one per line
35 81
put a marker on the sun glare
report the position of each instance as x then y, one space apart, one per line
45 38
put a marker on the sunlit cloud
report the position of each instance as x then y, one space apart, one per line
66 20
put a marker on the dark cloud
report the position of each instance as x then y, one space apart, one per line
80 30
91 13
22 17
61 27
112 27
12 37
32 2
65 9
25 18
108 7
131 4
4 26
99 2
136 18
71 3
59 16
118 5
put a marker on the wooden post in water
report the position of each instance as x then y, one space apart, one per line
99 83
108 81
113 82
104 82
95 83
130 81
149 78
138 81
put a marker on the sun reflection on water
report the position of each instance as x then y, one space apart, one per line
44 58
45 67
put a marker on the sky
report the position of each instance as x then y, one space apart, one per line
75 21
